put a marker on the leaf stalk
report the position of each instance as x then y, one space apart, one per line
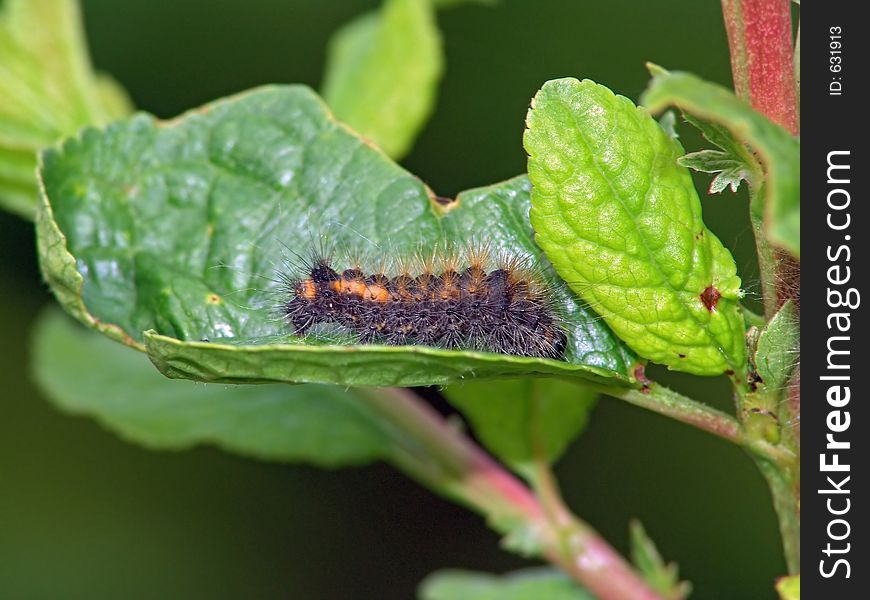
446 460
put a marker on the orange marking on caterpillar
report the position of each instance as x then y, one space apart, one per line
307 289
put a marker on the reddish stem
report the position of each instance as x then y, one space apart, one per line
464 470
762 57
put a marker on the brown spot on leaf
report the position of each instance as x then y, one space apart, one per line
710 298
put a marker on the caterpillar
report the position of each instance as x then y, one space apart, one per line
468 302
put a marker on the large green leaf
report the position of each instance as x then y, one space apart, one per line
88 374
382 73
621 222
527 584
778 150
48 90
524 420
178 229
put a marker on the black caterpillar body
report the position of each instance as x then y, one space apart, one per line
502 310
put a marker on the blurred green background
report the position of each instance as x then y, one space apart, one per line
85 515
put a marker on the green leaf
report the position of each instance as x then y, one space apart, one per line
325 425
621 223
777 149
789 588
720 137
382 73
730 172
178 230
524 420
662 577
88 374
48 91
778 348
527 584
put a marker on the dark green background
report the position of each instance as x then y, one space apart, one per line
85 515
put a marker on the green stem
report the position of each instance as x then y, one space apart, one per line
753 319
664 401
575 543
669 403
786 502
440 456
767 263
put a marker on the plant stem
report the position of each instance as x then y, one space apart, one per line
766 69
786 502
766 256
451 463
763 66
762 59
664 401
669 403
576 543
753 319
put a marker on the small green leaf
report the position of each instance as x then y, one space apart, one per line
48 91
527 584
662 577
88 374
778 348
789 588
720 137
178 230
730 172
621 222
778 150
524 420
382 73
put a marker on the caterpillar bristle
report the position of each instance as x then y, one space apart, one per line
478 255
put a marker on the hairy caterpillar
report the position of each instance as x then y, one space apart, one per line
455 300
